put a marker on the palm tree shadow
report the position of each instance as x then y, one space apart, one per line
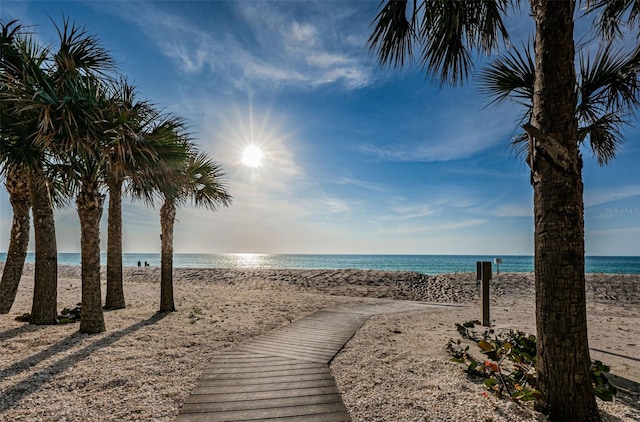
628 398
12 395
13 332
628 391
616 354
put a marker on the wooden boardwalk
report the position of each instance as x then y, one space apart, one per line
283 375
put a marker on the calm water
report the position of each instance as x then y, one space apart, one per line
427 264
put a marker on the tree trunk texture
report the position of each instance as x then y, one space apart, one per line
563 353
115 290
45 286
167 220
89 203
18 188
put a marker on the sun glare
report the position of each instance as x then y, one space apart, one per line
252 156
248 260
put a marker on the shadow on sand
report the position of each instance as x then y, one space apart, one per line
14 332
13 394
628 391
616 354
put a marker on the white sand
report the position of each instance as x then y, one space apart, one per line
395 368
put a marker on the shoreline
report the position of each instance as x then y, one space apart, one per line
425 264
145 364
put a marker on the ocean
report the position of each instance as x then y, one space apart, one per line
427 264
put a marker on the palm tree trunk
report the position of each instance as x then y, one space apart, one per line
18 189
563 353
45 288
89 203
115 291
167 220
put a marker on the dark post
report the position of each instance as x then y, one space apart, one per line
486 276
478 272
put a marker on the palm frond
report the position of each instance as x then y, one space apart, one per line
127 143
608 96
446 55
394 35
204 182
452 29
9 31
21 65
605 136
78 115
520 146
169 139
607 87
510 76
63 185
613 13
80 51
445 31
608 81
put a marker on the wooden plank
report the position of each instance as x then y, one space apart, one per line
342 416
264 414
301 343
337 416
262 404
262 395
257 369
308 356
252 388
285 372
301 351
268 380
247 357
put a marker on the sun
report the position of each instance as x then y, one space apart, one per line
252 156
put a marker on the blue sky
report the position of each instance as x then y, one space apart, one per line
358 158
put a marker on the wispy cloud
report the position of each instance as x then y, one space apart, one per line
514 210
363 184
603 196
330 205
408 212
439 226
614 241
279 47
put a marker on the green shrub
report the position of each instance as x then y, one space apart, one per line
509 367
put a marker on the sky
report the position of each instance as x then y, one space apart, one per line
357 158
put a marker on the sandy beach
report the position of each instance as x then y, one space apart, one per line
395 368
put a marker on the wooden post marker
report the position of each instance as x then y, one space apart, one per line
485 277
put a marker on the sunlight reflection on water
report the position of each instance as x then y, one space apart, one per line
248 260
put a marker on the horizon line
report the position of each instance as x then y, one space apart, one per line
340 254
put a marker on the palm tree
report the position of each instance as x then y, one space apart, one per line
14 175
131 146
81 152
76 103
201 181
195 177
444 33
24 160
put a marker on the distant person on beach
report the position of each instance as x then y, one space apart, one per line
146 264
139 264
